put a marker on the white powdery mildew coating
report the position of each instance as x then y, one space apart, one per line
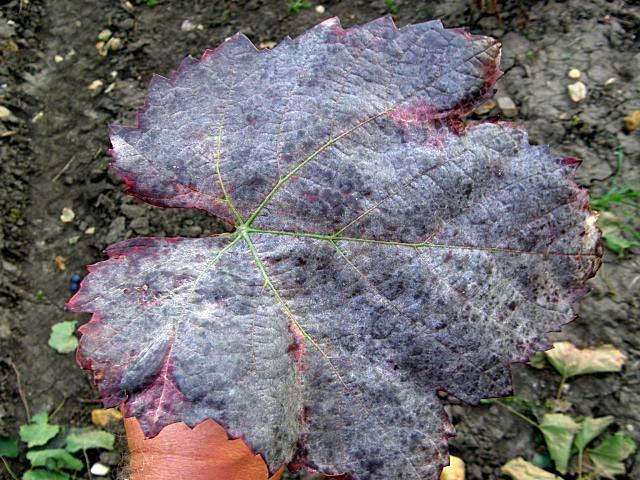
382 253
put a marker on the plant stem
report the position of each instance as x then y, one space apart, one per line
560 387
86 461
517 414
58 408
8 468
580 453
20 391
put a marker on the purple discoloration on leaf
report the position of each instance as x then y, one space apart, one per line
383 251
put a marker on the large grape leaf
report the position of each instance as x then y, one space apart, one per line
381 250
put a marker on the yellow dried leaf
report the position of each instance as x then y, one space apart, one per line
60 263
632 121
520 469
455 470
570 360
102 418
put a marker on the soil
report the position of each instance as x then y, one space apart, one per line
54 151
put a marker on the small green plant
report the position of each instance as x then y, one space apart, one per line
297 5
391 6
62 339
51 450
619 211
151 3
567 437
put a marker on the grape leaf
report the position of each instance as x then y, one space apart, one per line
380 250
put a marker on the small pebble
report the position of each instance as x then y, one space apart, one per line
37 117
67 215
110 458
90 231
99 469
58 58
4 112
574 73
486 107
102 48
507 107
267 44
95 85
609 81
114 44
577 91
104 35
455 470
187 26
320 9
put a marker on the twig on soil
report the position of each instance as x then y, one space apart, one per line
517 413
8 468
58 408
20 391
64 169
87 463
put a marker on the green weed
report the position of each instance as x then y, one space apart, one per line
391 6
297 5
619 211
568 439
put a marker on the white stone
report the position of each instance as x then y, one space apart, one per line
577 91
320 9
187 26
4 112
574 73
99 469
95 85
507 107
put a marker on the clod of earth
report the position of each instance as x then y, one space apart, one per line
381 250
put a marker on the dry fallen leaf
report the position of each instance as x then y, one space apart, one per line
103 417
632 121
520 469
455 470
570 360
206 452
60 263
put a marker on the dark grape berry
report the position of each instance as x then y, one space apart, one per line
75 278
75 286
